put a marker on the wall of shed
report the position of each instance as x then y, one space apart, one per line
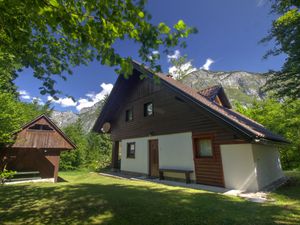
268 166
238 167
175 151
250 167
46 162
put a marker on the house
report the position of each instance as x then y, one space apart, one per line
36 149
161 127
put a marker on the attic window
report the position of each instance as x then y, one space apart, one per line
148 109
129 115
40 127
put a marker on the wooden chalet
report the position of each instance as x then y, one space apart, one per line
168 130
37 149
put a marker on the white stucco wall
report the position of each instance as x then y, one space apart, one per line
175 151
238 167
139 164
268 164
250 167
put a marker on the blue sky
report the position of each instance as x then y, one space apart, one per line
229 32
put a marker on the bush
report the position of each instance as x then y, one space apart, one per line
6 174
281 117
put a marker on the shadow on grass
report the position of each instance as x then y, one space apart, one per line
96 203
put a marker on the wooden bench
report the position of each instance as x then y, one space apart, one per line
23 176
186 172
28 173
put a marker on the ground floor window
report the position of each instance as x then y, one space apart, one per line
131 150
204 148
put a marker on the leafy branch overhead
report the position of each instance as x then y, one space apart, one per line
285 32
53 36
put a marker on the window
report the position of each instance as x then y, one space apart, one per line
204 148
40 127
129 115
131 150
148 109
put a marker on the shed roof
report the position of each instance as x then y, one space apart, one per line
42 133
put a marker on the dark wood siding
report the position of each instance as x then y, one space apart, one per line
44 161
173 115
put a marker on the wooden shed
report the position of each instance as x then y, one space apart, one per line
37 148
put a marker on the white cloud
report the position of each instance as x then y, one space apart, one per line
207 64
176 55
64 102
187 68
90 100
24 95
94 98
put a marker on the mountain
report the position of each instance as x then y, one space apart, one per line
240 86
63 119
87 117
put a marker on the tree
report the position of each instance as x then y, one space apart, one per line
53 36
285 32
93 151
181 67
74 159
14 114
281 118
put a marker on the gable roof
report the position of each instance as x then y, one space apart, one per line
216 91
244 125
49 121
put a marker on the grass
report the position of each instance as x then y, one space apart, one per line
88 198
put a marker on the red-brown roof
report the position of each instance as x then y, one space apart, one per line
238 121
210 92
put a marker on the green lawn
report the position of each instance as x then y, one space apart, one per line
88 198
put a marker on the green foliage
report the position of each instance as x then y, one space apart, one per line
14 114
6 174
285 32
52 37
281 117
93 150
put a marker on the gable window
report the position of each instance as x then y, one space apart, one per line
131 150
40 127
129 115
204 148
148 109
